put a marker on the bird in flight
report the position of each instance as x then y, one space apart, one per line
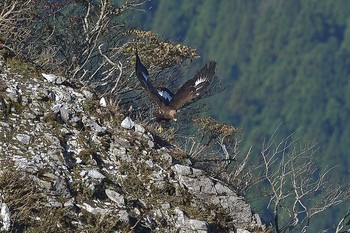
169 103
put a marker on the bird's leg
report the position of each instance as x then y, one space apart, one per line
160 128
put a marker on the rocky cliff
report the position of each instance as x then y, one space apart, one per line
68 164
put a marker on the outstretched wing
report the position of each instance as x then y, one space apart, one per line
143 76
194 87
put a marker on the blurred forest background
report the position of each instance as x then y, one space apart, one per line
286 65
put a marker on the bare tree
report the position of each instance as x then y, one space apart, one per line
344 223
297 186
92 42
14 13
215 148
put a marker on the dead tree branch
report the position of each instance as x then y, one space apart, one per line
294 179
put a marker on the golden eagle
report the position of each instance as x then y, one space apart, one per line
169 103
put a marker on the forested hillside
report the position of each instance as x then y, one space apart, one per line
285 63
285 67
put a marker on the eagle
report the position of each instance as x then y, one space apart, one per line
169 103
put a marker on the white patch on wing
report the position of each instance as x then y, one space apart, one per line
199 81
165 95
145 76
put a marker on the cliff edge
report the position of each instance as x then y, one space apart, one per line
69 164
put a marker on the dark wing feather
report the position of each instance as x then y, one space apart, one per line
143 76
193 87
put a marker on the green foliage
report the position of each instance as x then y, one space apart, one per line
163 54
285 62
282 61
215 128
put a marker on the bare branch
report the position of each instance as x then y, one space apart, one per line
344 223
294 179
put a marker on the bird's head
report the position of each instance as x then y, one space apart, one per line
167 115
173 115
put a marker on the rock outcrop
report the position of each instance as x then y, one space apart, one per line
68 165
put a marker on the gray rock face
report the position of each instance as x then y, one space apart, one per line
52 78
23 138
4 216
212 192
184 224
127 123
116 197
78 162
139 128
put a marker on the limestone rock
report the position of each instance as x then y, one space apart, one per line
139 128
70 159
5 217
23 138
94 174
49 77
103 102
52 78
116 197
127 123
184 224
